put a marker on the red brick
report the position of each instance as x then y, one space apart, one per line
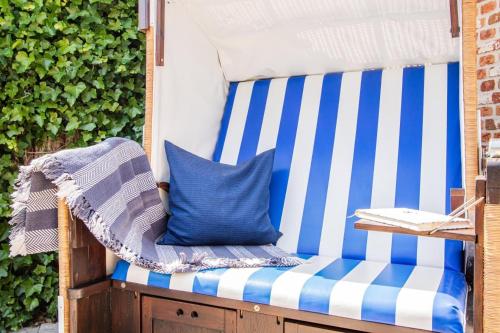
497 135
487 85
489 124
487 33
487 60
494 18
496 97
497 110
488 7
486 111
485 137
481 74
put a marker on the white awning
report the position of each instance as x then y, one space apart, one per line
276 38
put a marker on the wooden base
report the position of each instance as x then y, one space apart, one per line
139 308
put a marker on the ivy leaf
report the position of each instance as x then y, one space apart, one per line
73 91
72 124
88 127
3 272
23 61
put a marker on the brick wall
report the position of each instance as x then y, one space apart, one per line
488 74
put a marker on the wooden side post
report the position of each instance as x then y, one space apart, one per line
469 74
479 256
64 265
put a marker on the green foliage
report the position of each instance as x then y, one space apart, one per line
71 74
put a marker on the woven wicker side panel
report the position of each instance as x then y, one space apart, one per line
64 262
469 67
148 116
492 268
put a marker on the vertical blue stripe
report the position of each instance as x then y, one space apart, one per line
259 284
379 301
207 282
404 247
453 248
121 270
449 304
284 147
360 189
253 125
159 280
317 186
315 295
233 86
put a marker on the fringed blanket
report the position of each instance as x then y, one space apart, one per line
111 188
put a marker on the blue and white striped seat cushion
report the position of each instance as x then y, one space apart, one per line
405 295
379 138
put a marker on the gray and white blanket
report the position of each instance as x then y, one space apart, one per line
111 188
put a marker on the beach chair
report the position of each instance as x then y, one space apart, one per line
368 104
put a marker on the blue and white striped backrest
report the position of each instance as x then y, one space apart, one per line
379 138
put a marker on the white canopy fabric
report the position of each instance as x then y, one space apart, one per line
280 38
211 42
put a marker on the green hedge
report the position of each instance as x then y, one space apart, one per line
71 74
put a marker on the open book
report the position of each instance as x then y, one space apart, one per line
413 219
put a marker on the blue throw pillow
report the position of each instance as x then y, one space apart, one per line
218 204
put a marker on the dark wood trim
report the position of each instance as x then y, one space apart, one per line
458 234
479 256
92 289
164 186
455 29
125 311
457 198
304 316
143 15
160 33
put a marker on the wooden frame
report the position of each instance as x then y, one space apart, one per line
92 303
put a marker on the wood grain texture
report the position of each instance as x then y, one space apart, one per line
469 72
253 322
294 327
63 217
491 268
338 323
125 311
479 256
148 112
457 234
89 314
160 33
163 315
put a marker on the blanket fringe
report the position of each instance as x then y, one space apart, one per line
72 193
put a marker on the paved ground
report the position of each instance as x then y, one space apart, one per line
44 328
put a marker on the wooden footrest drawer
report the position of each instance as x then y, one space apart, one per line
164 315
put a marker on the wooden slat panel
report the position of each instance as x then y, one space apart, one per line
256 322
317 318
457 234
91 314
160 33
455 29
125 311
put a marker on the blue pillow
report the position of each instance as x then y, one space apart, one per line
218 204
